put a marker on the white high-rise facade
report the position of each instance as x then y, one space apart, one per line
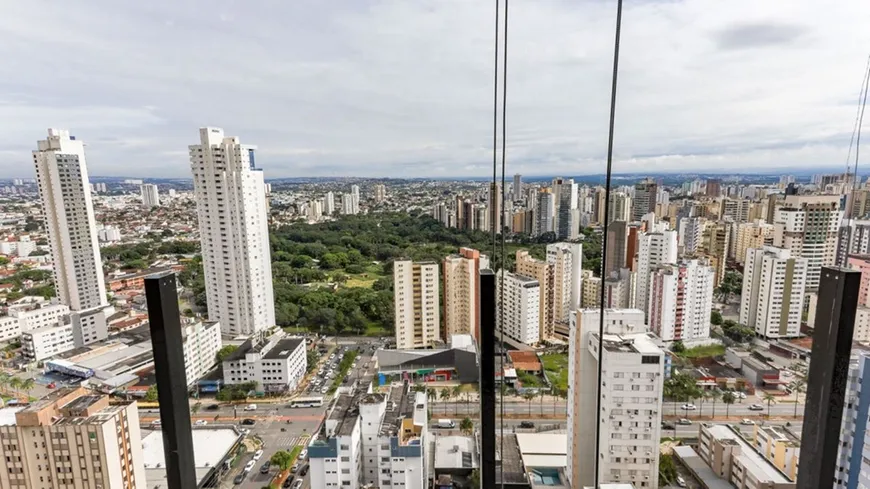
520 300
150 195
329 203
808 225
415 294
774 282
654 249
62 176
567 261
681 299
631 399
233 225
354 192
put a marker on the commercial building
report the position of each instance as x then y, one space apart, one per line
752 235
461 281
567 262
233 225
734 459
416 297
543 272
808 225
276 364
631 399
681 299
654 249
150 195
458 363
773 290
64 188
373 439
518 312
71 436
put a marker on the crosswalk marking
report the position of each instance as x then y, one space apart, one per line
292 441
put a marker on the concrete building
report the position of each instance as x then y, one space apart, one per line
717 243
654 249
150 195
518 312
27 316
617 290
374 440
731 457
681 299
631 399
644 200
517 188
329 204
853 458
773 290
415 292
713 187
233 224
752 235
22 247
71 436
276 364
64 188
567 262
853 239
780 447
347 205
213 447
494 203
109 234
616 257
591 292
566 224
47 341
315 210
354 192
691 233
620 207
736 209
543 272
380 191
808 225
461 282
544 212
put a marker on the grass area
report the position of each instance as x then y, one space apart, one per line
343 367
295 329
556 369
296 451
375 329
704 351
371 274
530 380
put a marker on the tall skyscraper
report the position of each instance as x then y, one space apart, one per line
654 249
717 242
415 292
691 233
461 280
544 212
853 468
541 271
62 178
567 262
520 300
752 235
233 226
380 193
617 247
517 189
493 203
150 196
631 400
620 207
853 239
714 187
565 198
354 192
774 281
329 204
681 299
348 207
644 200
808 225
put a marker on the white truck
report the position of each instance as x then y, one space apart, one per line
445 423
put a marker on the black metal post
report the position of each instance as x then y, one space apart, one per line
487 379
829 372
162 298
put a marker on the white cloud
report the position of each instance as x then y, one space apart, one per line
398 88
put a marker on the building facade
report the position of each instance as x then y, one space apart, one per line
567 262
774 282
233 224
517 314
543 272
681 299
808 225
416 302
654 249
460 275
150 195
752 235
202 341
276 364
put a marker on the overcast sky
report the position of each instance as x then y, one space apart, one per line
403 88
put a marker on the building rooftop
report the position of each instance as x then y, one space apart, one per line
284 348
751 459
780 434
630 343
543 450
701 470
210 448
345 413
455 452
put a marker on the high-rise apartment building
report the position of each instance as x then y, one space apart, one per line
380 192
853 239
150 195
543 272
567 262
620 207
565 196
461 282
493 203
691 233
347 204
853 464
73 438
64 188
681 299
617 247
233 224
544 212
354 192
617 290
315 210
631 399
654 249
417 312
736 209
808 225
519 303
329 204
717 242
774 281
714 187
517 189
644 200
752 235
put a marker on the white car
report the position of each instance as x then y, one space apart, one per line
680 481
740 395
257 455
249 466
200 422
747 422
303 454
688 407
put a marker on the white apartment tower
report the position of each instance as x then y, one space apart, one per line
415 292
773 290
631 400
567 261
520 300
354 192
654 249
380 193
681 299
233 225
150 195
808 225
329 203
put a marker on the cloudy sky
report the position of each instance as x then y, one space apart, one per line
404 88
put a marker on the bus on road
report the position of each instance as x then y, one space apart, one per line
307 402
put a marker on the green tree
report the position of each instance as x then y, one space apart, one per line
769 399
151 393
714 395
667 469
474 478
15 384
466 426
797 386
282 459
27 385
728 399
716 317
225 352
445 396
529 397
678 347
456 392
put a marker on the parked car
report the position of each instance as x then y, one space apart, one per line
249 466
287 482
740 395
303 454
747 422
251 407
684 421
294 468
680 481
303 471
257 455
756 407
667 426
213 407
688 407
265 468
297 484
200 422
527 424
249 422
239 478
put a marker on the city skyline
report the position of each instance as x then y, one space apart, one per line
332 105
